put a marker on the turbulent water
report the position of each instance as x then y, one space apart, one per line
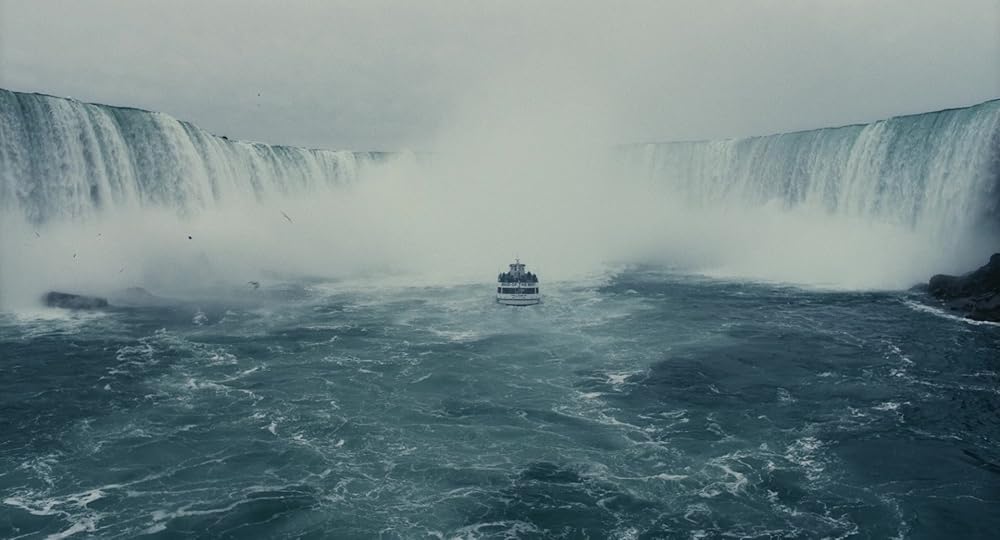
726 348
641 405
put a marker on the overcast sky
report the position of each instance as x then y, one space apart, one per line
387 75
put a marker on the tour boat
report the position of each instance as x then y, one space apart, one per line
518 287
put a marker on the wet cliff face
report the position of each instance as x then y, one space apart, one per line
976 294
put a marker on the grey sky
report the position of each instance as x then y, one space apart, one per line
388 75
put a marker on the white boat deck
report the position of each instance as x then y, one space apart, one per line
518 287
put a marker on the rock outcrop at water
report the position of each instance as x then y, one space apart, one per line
73 301
976 294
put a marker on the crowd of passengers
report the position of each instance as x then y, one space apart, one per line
528 277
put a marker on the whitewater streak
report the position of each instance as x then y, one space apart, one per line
94 197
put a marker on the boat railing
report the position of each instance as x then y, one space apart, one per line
505 278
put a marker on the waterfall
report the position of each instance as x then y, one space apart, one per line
938 172
62 159
93 197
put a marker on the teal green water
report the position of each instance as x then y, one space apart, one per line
639 405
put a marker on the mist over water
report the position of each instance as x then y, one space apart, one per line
98 198
323 355
858 206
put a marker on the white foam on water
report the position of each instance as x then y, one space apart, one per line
225 357
153 529
618 380
938 312
806 453
87 524
73 508
889 405
457 336
492 529
784 396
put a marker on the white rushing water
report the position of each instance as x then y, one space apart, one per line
95 198
61 159
936 171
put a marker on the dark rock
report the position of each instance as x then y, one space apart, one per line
985 308
976 294
73 301
920 287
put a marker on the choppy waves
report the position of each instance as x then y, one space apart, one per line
637 407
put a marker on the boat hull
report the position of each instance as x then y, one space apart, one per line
519 299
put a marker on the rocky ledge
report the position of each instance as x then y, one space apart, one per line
976 294
73 301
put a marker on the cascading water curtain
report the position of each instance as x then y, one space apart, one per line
62 159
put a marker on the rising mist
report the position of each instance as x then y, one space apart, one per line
122 191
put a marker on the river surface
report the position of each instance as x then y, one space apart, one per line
634 404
